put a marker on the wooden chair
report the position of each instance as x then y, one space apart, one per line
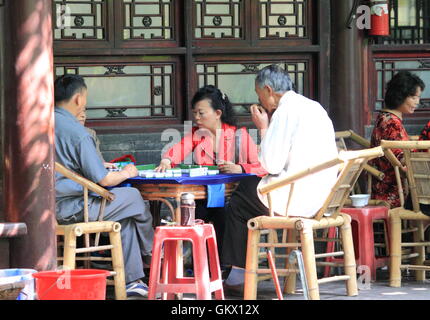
341 137
352 163
417 170
86 228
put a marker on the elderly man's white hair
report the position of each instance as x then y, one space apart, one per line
275 77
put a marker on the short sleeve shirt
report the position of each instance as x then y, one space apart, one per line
75 148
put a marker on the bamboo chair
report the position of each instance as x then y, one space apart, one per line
86 228
418 177
341 136
372 173
352 163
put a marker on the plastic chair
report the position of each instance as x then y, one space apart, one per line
352 163
72 231
418 177
207 272
363 220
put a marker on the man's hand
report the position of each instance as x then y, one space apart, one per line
229 167
130 170
109 165
165 164
116 177
259 116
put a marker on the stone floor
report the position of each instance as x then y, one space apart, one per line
378 290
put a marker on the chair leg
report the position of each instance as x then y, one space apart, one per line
349 257
201 271
290 281
154 274
308 250
69 249
251 277
420 275
118 265
395 250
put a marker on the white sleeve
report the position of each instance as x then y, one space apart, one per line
276 145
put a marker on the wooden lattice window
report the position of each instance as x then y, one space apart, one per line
387 68
143 60
148 23
128 91
409 22
81 22
237 78
219 19
283 19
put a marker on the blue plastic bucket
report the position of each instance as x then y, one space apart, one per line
17 275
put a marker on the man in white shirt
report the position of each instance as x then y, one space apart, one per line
296 134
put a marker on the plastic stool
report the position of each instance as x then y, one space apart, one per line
202 284
364 243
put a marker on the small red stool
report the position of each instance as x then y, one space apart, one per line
363 236
202 237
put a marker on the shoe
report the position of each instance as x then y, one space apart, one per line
137 289
225 271
233 290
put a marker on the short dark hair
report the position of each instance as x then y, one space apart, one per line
404 84
66 86
218 101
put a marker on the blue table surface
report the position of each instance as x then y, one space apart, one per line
185 179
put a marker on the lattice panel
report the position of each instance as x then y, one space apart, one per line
386 69
218 19
237 80
148 20
127 91
283 19
80 20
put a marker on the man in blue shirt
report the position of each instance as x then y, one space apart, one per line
75 148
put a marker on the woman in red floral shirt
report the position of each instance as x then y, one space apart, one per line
402 97
425 133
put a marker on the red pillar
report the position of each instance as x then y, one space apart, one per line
29 132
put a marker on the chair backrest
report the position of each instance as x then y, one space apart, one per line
341 136
88 185
417 168
352 163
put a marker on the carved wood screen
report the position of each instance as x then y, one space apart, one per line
144 59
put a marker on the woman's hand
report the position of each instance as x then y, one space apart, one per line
230 167
259 116
165 164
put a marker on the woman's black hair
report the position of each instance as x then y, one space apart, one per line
66 86
218 101
404 84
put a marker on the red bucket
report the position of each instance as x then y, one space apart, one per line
79 284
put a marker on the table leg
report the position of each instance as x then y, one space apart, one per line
154 207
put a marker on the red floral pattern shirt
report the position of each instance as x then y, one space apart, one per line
388 126
425 133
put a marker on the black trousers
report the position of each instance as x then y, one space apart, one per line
243 205
215 215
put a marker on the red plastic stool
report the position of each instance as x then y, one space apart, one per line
363 236
202 237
